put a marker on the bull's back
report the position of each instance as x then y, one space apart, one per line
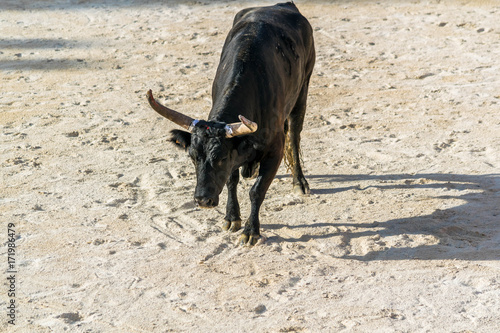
285 15
276 30
267 57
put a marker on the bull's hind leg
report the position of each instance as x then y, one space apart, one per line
232 221
292 148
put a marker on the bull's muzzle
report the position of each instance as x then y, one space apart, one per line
206 202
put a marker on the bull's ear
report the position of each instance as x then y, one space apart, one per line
246 147
181 138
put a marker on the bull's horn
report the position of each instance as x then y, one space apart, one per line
174 116
244 127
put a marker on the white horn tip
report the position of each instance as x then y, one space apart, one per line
248 123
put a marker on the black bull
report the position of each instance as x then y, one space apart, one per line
263 75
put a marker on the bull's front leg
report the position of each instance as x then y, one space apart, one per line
268 168
232 221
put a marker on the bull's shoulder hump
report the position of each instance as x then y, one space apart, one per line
270 14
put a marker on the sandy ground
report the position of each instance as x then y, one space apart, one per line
401 148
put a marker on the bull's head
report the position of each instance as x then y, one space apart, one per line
213 154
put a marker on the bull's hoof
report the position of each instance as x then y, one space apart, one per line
300 185
249 240
302 189
232 226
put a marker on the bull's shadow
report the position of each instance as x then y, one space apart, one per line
47 62
470 231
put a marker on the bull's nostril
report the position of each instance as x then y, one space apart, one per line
204 202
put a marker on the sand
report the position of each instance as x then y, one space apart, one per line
401 232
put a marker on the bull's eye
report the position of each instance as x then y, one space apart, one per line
222 161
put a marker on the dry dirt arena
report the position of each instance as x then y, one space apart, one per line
401 232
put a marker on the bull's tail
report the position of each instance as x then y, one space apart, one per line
288 151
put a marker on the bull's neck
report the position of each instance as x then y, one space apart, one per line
240 99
